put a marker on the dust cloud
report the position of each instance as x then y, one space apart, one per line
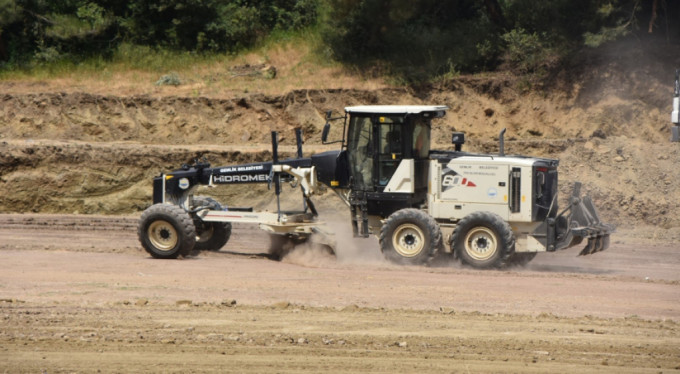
348 249
310 254
335 244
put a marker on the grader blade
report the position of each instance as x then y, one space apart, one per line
283 241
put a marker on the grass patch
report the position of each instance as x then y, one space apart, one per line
127 57
130 57
298 57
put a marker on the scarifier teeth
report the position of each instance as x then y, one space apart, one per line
595 244
603 243
599 243
588 248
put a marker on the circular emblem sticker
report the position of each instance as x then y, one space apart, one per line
184 183
492 192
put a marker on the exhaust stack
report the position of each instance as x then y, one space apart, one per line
501 143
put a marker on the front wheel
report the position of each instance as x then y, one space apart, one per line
483 240
210 236
410 237
166 231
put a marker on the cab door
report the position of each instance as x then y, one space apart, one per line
375 147
360 152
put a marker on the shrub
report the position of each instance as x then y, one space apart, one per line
525 52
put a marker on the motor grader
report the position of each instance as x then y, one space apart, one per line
488 210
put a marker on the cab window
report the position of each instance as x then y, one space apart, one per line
360 151
421 138
390 147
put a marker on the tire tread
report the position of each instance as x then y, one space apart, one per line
506 244
431 229
222 230
186 229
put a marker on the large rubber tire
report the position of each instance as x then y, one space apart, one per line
210 236
410 237
483 240
166 231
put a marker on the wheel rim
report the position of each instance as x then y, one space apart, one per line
481 243
408 240
205 235
162 235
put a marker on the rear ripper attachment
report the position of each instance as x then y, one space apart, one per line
578 221
179 222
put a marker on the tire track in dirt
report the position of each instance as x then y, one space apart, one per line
628 279
225 337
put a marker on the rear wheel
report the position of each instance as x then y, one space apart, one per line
210 236
166 231
409 237
483 240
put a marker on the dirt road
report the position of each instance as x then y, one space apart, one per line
79 295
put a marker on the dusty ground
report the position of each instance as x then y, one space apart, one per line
79 295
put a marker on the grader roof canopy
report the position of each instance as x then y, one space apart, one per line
438 110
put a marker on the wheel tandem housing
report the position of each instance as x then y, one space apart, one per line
410 237
166 231
210 236
483 240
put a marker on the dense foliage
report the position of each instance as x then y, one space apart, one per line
48 30
413 39
423 38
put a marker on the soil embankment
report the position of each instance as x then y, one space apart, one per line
96 154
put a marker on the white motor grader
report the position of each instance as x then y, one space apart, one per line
488 210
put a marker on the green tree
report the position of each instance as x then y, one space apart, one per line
9 14
419 39
213 25
414 39
34 30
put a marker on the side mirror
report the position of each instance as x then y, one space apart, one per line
458 139
327 128
324 133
